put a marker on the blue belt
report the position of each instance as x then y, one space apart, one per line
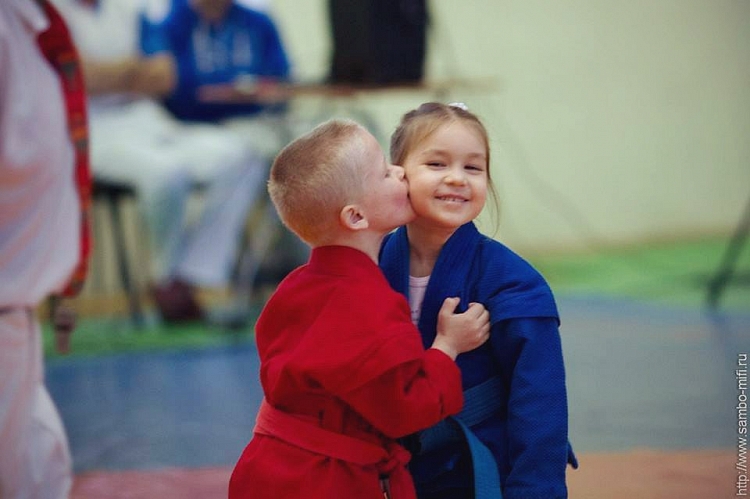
480 402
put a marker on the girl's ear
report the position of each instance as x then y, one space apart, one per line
353 218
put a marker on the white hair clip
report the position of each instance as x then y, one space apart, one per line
459 105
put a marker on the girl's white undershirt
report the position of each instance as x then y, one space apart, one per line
417 288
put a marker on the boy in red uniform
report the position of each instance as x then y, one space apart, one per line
343 369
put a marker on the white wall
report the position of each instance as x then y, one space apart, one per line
612 122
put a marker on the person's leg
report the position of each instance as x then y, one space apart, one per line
35 459
162 201
134 145
140 145
266 134
235 182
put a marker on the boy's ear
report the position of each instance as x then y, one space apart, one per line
353 218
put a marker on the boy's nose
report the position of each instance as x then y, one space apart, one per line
399 172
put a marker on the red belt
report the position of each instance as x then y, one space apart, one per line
275 423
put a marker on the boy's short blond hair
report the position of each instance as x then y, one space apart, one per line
315 176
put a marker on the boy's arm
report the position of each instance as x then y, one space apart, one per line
418 394
537 407
410 397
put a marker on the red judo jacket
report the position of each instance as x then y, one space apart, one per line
344 373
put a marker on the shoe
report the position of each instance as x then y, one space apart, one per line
176 302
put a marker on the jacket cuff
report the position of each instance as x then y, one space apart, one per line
444 371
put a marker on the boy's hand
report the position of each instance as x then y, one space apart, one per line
459 333
63 319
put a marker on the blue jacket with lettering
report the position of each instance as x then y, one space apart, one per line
245 44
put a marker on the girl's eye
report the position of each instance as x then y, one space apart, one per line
474 168
435 163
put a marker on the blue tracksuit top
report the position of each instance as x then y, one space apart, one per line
245 44
529 434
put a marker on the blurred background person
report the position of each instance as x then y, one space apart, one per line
44 197
136 141
231 67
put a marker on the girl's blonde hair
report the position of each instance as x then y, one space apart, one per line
420 123
316 175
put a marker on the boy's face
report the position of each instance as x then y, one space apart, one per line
212 11
448 176
386 199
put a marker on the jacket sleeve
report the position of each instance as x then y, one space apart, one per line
411 396
276 62
537 407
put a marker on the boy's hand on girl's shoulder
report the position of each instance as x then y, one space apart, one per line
461 332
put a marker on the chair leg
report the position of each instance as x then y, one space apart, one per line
97 260
136 313
718 283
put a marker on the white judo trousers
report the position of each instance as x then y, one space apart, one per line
35 461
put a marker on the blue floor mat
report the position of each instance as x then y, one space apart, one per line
638 376
151 410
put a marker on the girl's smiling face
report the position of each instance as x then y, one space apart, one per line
448 176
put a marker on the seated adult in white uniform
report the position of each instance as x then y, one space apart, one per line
134 140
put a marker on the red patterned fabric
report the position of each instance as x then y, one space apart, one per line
57 46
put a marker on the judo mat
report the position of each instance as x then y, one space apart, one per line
652 386
649 389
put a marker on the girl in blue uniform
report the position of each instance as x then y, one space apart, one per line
512 435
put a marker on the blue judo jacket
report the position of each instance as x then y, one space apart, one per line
528 434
